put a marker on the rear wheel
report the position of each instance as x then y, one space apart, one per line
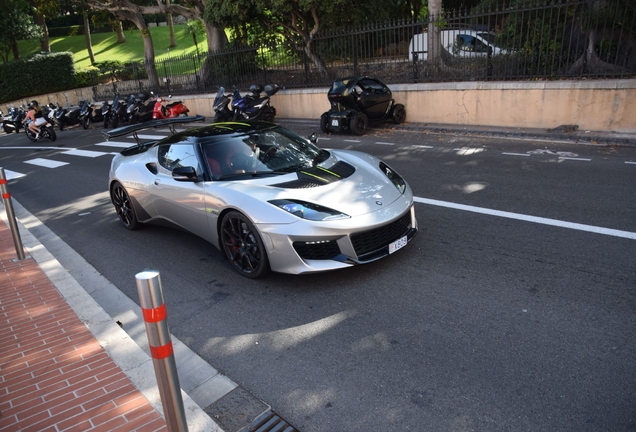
359 123
324 121
49 133
399 114
7 129
124 207
243 246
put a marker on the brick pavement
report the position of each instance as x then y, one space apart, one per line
54 374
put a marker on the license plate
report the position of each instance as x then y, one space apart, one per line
334 123
398 244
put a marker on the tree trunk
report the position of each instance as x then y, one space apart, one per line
316 59
89 44
44 40
216 38
121 37
14 48
434 40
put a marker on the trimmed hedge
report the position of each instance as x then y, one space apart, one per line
37 74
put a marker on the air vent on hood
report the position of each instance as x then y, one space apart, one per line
319 176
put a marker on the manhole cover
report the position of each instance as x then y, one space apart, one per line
236 410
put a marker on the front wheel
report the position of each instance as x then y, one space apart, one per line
243 246
61 125
359 123
124 207
86 122
115 122
30 135
106 122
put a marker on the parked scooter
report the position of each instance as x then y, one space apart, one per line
46 131
142 110
174 109
92 114
109 111
69 116
253 106
12 122
221 106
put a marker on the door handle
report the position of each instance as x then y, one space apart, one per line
157 182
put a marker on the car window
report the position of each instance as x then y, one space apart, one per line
373 86
172 156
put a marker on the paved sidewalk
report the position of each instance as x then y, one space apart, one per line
64 363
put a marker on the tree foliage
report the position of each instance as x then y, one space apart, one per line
16 23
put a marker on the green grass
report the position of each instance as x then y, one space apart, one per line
105 46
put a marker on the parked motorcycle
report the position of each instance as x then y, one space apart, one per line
69 116
174 109
221 106
12 122
49 111
253 106
92 114
46 131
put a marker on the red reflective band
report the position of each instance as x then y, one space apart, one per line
3 181
156 314
161 352
6 195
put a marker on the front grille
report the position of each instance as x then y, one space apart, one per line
368 242
317 251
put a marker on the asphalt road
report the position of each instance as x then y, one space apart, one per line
513 309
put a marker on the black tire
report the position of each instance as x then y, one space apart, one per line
324 123
49 133
218 117
61 124
399 114
358 123
7 129
243 246
30 135
124 207
86 122
115 122
106 122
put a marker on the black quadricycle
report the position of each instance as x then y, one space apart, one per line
357 102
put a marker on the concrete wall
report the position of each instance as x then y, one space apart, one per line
596 105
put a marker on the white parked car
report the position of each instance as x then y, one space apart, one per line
460 43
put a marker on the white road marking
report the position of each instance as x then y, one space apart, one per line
516 154
119 144
47 163
384 143
572 158
84 153
528 218
10 175
633 163
348 140
35 148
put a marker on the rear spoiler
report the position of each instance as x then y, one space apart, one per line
132 129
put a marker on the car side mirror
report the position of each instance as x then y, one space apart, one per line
313 138
186 173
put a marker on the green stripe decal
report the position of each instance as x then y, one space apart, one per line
330 172
315 176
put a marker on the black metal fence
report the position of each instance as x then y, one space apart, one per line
535 40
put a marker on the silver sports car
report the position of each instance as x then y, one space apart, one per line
266 197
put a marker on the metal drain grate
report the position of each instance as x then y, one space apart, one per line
270 422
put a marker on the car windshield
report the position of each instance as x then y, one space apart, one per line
271 151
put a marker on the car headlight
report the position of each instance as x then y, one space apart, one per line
395 178
305 210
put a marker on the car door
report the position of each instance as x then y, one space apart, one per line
181 202
375 98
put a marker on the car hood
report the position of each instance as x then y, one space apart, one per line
364 190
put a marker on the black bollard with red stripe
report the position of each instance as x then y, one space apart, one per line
155 318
